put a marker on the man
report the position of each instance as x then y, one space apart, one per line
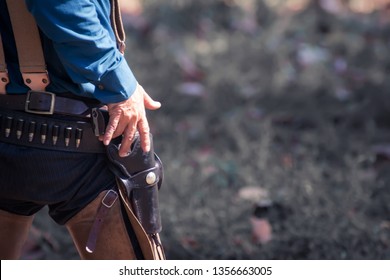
84 64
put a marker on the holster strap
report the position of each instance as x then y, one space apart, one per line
143 179
117 25
107 202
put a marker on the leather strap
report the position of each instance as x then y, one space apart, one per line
3 70
107 202
44 103
140 180
117 25
28 43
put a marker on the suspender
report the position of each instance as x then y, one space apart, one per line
3 70
117 25
28 43
29 47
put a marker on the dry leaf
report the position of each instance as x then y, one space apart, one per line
261 230
253 194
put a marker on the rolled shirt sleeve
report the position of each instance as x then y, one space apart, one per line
86 46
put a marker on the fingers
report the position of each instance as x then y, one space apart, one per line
128 137
111 128
127 140
143 129
128 116
150 103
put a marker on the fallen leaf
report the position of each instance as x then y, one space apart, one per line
261 230
253 194
189 242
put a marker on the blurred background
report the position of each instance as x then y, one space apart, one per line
274 130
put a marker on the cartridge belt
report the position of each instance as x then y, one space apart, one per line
49 132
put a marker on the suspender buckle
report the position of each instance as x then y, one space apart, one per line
40 102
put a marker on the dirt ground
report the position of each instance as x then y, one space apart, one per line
274 131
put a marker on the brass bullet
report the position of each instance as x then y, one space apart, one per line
79 136
68 133
19 128
43 133
8 125
55 133
31 131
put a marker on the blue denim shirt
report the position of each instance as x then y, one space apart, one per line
80 49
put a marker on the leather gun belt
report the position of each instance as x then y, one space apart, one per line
47 121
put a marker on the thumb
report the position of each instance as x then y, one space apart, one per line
150 103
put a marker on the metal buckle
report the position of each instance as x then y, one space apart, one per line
110 201
50 111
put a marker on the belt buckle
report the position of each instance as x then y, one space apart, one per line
50 111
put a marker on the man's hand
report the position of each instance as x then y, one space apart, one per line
127 117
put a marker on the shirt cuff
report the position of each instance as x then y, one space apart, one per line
116 85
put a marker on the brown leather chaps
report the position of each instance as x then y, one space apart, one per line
117 234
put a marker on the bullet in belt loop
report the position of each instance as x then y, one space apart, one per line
79 136
19 128
31 131
68 133
43 133
8 125
55 133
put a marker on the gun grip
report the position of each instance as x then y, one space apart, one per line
98 122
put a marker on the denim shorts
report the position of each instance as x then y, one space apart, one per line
66 182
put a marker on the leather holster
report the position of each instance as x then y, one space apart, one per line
140 175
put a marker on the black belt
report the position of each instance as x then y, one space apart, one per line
43 103
49 132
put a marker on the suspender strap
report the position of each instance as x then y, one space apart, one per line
3 70
117 25
30 54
